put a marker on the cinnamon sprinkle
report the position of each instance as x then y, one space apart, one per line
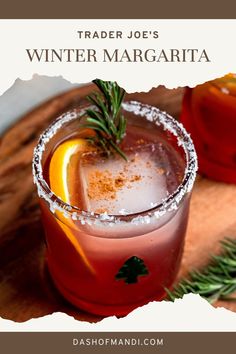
135 178
103 185
160 171
101 211
140 142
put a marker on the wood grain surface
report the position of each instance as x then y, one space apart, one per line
25 288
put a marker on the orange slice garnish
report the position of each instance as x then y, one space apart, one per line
62 168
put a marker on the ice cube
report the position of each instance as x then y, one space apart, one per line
114 186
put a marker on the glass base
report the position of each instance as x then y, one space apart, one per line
100 309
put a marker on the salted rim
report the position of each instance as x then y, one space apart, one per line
169 203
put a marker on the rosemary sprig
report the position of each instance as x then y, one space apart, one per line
106 119
216 282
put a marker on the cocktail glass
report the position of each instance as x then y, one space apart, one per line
110 263
208 113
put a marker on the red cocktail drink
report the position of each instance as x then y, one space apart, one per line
209 114
115 236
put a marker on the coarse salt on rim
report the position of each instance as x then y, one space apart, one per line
170 203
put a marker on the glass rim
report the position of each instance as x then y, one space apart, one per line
170 203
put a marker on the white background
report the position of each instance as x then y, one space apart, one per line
216 36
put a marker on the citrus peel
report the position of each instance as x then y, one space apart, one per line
61 172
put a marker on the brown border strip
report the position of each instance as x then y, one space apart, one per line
122 9
168 343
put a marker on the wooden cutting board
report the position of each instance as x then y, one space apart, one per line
25 288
